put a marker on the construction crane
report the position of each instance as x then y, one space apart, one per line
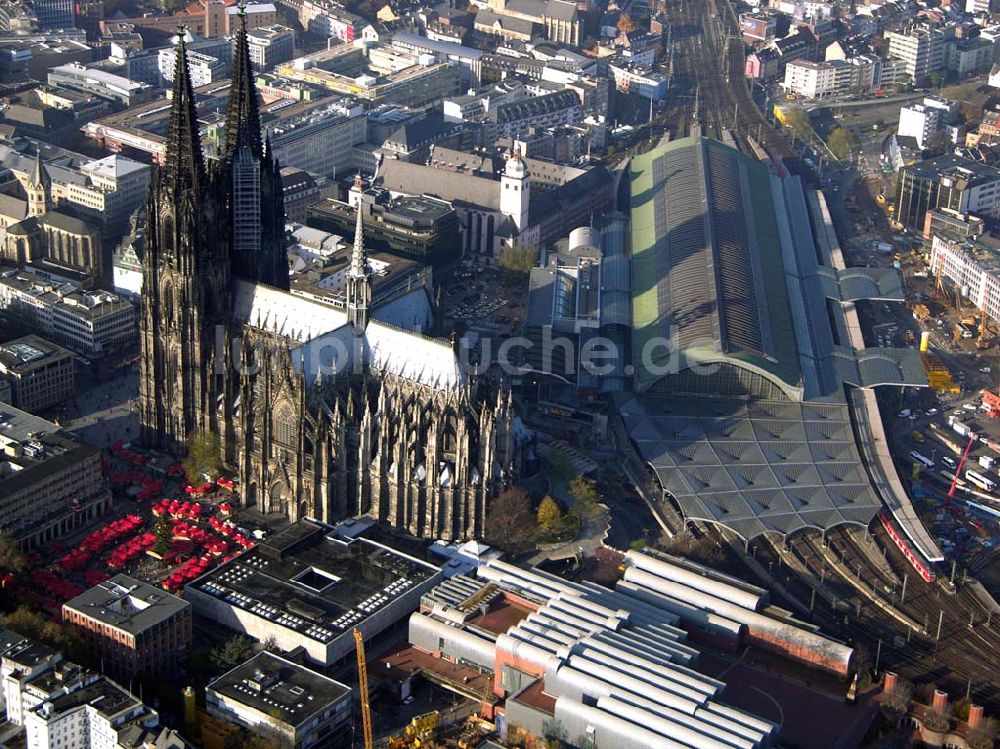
961 463
366 707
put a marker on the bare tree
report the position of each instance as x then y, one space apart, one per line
510 523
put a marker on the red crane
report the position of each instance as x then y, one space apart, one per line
958 469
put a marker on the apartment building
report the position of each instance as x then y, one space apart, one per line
923 49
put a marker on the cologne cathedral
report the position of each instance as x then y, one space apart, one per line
322 412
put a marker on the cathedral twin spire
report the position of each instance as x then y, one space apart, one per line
185 164
243 119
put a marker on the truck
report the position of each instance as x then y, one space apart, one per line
987 461
961 428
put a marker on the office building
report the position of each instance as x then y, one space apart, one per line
40 373
414 80
306 708
951 182
114 88
132 627
54 14
415 227
208 61
972 264
91 323
311 585
270 46
50 484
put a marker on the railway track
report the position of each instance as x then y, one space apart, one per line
709 95
709 91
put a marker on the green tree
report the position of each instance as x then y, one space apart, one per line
842 142
510 523
960 708
548 512
518 260
232 652
797 122
11 556
164 532
585 497
29 623
204 455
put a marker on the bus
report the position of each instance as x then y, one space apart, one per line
922 459
980 480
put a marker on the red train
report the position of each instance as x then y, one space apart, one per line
913 557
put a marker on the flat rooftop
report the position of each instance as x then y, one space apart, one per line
103 695
127 604
277 687
310 579
22 355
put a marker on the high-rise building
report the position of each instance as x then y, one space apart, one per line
924 50
54 14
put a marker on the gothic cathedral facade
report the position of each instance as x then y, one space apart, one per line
395 428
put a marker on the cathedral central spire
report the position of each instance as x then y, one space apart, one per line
184 161
359 259
243 119
359 277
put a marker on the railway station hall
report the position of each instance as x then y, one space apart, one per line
753 400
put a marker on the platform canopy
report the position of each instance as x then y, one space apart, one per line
753 466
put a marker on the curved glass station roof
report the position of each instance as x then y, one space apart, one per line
744 408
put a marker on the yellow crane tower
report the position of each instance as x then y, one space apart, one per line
366 707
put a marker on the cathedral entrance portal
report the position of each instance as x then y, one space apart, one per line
277 499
